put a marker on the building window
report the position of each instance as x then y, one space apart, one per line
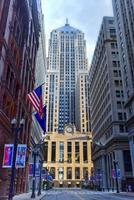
69 173
61 152
120 116
85 173
127 161
61 173
45 151
121 128
69 152
118 93
77 173
85 159
52 172
53 154
77 152
119 105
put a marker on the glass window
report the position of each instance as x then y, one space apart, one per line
53 153
45 151
61 173
77 173
52 172
85 159
120 116
61 152
69 152
119 105
85 173
69 173
77 152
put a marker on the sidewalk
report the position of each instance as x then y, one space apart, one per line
126 194
27 196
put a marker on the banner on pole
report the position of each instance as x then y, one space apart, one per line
21 155
37 169
8 155
116 174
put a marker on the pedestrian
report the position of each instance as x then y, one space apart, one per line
129 188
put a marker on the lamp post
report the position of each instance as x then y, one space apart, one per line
35 153
15 130
40 182
116 175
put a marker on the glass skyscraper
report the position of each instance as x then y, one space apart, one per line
66 93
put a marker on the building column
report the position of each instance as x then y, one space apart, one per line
49 152
104 177
73 160
131 144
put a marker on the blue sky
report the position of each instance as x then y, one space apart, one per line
85 15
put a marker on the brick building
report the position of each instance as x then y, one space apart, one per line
19 41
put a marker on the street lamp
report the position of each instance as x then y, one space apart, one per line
39 189
35 154
116 175
15 130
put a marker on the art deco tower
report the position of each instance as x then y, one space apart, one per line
66 71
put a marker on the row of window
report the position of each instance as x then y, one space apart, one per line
69 152
61 173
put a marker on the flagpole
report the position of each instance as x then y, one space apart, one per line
41 84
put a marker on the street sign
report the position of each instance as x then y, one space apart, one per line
8 155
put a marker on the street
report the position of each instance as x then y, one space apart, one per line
78 194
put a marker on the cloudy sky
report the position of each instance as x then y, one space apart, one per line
85 15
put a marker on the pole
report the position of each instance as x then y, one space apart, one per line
11 189
116 176
34 168
40 178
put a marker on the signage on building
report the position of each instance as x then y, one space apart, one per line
21 155
8 155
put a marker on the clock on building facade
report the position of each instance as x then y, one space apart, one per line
69 129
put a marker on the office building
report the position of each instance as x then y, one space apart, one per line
107 113
124 12
67 157
37 133
19 41
66 95
66 61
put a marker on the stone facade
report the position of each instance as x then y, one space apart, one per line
123 12
107 113
19 41
68 157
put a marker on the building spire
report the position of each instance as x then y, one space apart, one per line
67 22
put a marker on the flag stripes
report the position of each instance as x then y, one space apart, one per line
36 99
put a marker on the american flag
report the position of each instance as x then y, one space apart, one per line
36 99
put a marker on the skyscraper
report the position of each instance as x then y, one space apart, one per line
107 113
67 155
66 61
124 12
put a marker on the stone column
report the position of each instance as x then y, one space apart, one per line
73 160
104 177
131 144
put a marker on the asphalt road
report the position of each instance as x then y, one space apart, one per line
78 194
